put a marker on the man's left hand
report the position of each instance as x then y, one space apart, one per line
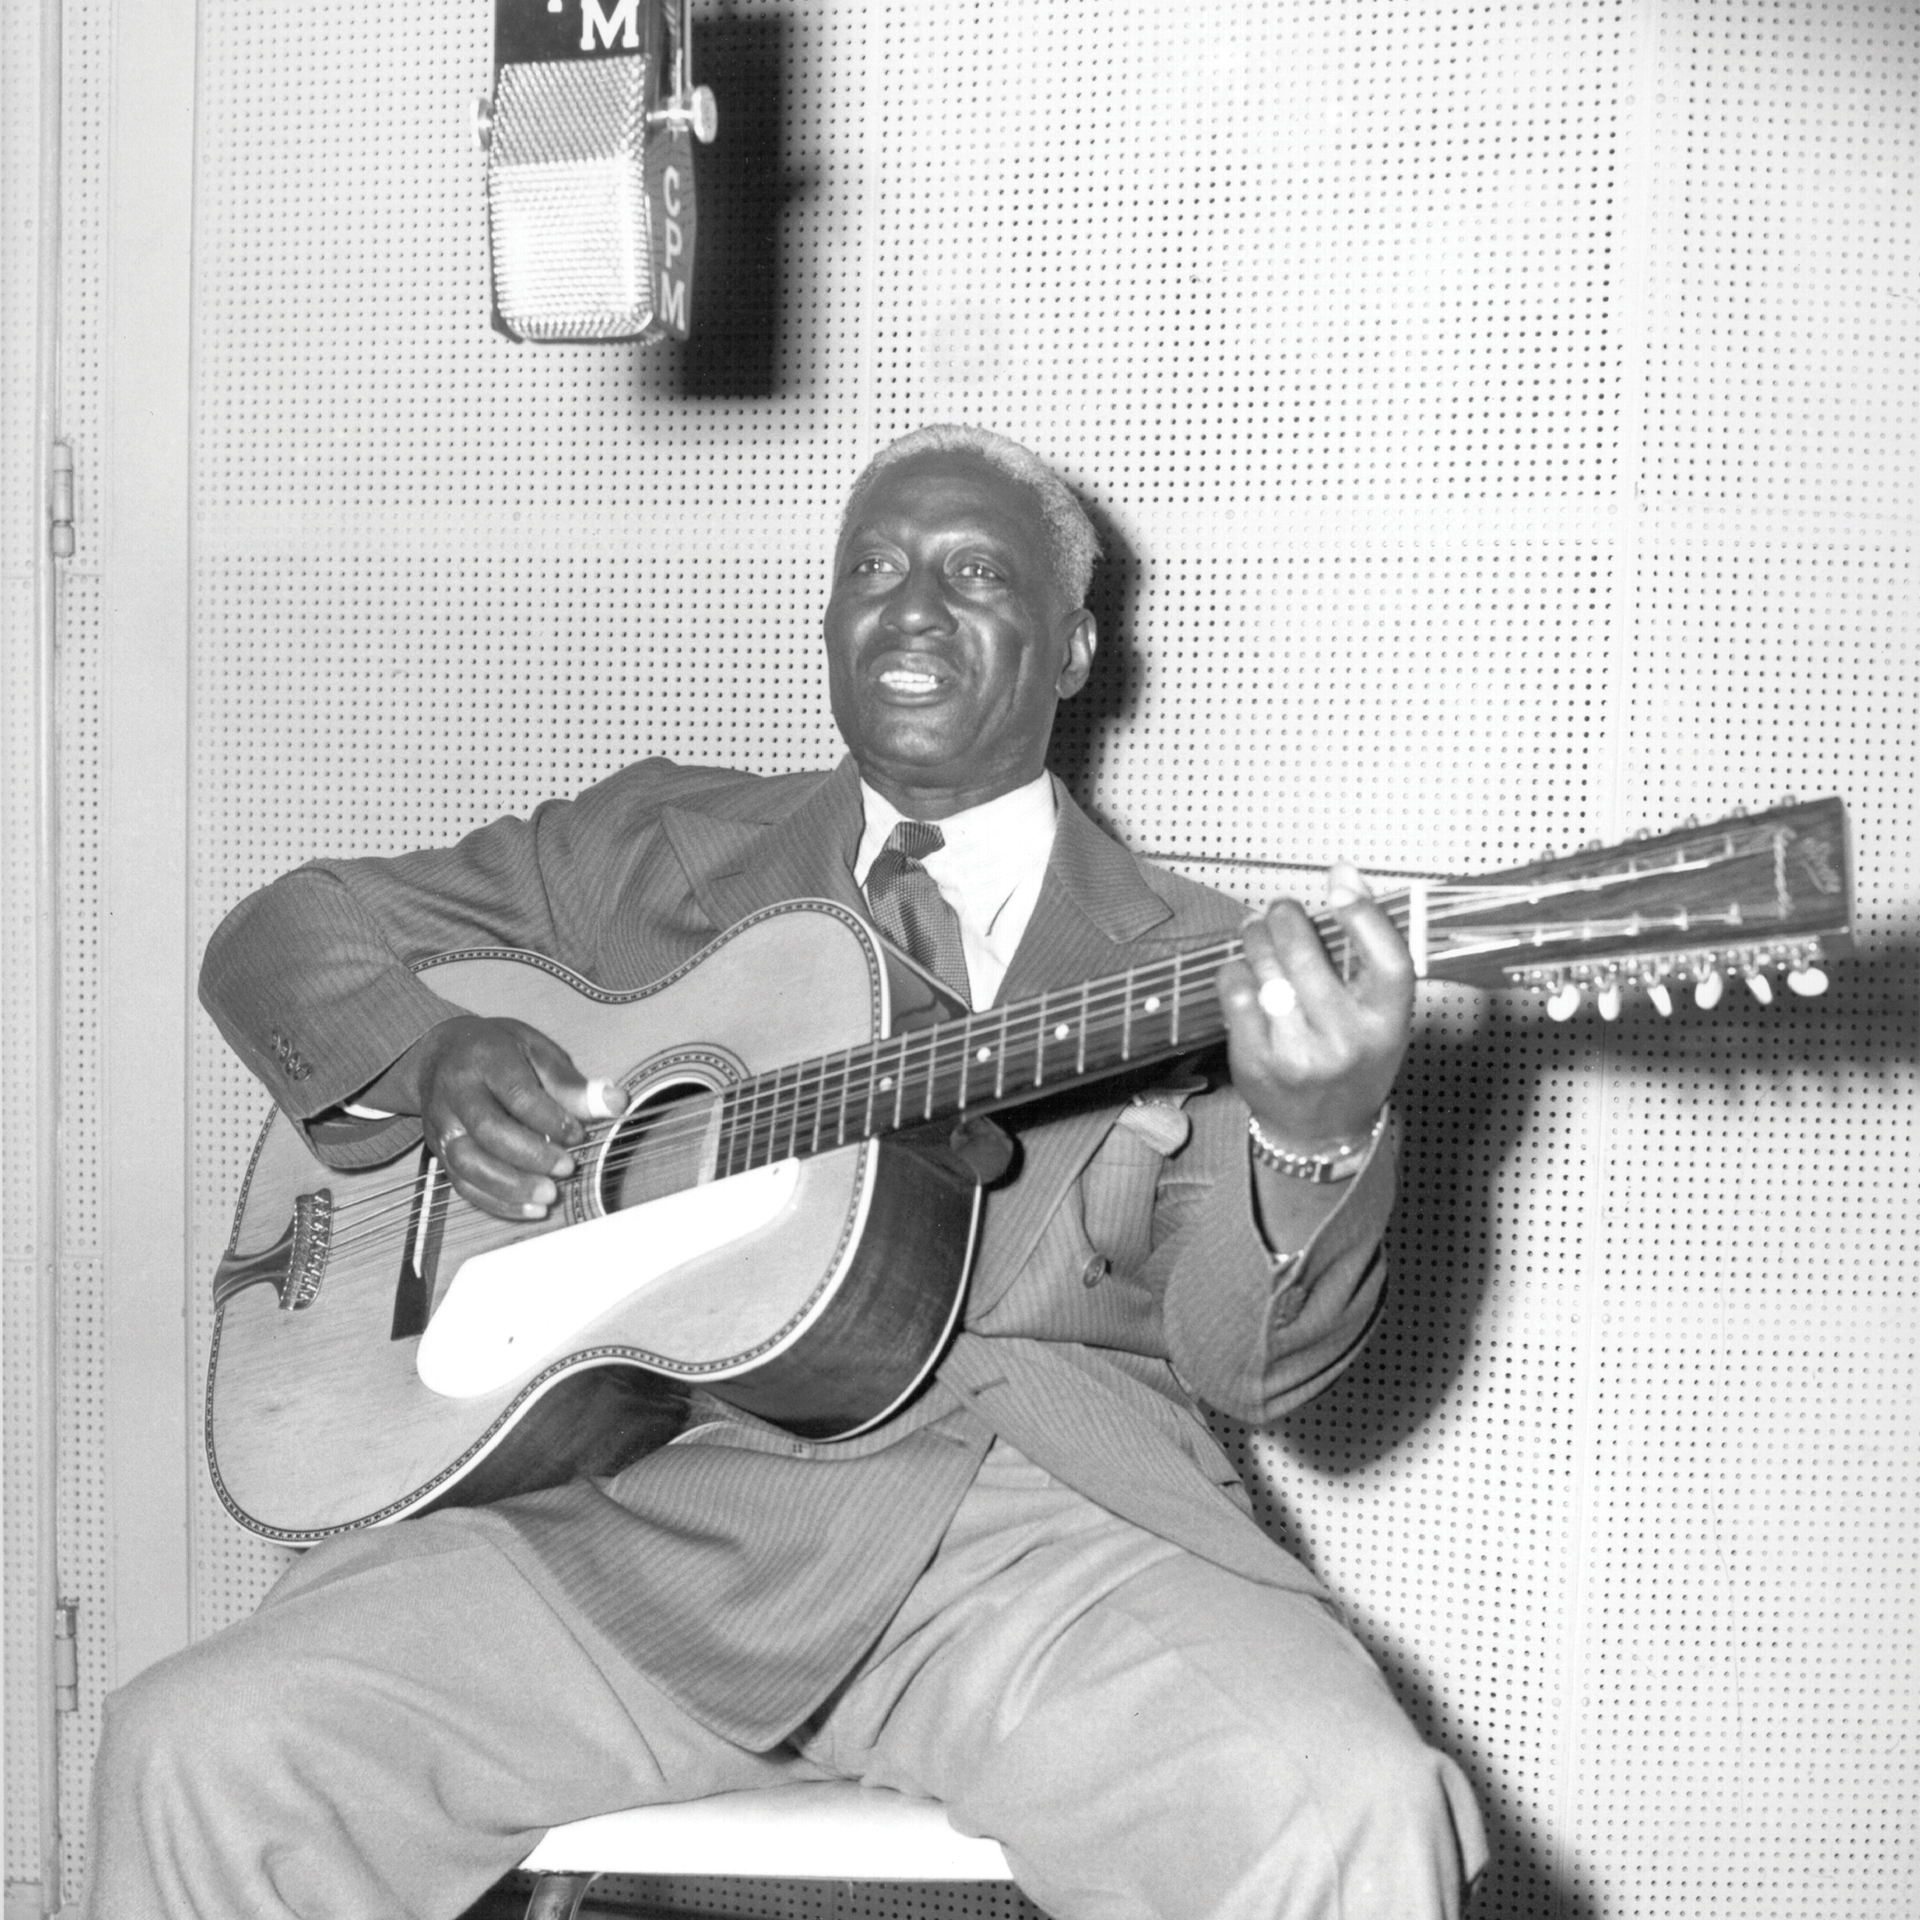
1313 1055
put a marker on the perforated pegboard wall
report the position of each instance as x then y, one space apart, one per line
1505 416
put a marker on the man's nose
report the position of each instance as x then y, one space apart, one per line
919 603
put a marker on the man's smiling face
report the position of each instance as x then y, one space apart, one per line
950 640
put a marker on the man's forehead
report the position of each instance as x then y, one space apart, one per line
939 483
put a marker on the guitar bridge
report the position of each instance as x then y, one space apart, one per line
294 1265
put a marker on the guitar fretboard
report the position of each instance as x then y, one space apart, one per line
977 1062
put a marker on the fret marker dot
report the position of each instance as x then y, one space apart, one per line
1151 1004
1061 1031
886 1085
985 1053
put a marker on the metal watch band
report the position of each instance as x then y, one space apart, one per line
1321 1169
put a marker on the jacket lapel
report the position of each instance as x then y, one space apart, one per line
1093 909
1093 906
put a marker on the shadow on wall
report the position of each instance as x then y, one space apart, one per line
1466 1097
1113 688
1520 1877
735 300
1459 1093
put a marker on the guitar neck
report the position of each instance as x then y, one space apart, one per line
1758 894
979 1062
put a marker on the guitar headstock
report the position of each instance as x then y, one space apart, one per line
1748 898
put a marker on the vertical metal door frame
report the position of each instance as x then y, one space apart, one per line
147 979
46 1225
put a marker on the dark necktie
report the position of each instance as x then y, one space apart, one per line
908 908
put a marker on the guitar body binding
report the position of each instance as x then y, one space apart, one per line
824 1317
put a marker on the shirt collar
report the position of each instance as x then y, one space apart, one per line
1013 831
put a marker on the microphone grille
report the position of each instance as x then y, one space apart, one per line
567 204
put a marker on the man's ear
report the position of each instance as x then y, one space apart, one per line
1082 639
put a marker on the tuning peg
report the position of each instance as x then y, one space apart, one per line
1608 1000
1808 981
1662 999
1708 989
1692 820
1564 1002
1760 987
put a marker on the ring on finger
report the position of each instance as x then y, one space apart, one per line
1277 997
451 1132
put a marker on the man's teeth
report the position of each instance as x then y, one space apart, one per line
908 680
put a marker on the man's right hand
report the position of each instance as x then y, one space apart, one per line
503 1107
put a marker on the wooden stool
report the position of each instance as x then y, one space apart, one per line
819 1830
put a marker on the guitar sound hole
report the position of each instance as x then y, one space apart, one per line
659 1148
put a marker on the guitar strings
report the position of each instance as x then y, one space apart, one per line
930 1063
925 1062
931 1068
763 1109
1102 997
757 1112
772 1105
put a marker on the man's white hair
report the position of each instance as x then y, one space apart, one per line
1072 544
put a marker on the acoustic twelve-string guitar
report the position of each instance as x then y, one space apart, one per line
785 1215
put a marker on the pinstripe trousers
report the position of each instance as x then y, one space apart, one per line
1146 1733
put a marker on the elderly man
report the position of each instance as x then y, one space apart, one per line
1035 1592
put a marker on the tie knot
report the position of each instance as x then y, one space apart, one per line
915 839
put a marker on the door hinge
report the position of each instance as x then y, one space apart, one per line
66 1657
60 503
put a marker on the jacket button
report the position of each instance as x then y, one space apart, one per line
1095 1270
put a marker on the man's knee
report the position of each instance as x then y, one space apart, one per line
191 1725
1323 1803
170 1711
1317 1794
1368 1822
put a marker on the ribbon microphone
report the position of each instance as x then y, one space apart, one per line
588 139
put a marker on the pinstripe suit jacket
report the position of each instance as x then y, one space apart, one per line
1115 1287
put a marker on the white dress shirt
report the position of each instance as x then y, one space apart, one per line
989 872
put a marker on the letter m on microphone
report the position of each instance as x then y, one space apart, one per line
589 142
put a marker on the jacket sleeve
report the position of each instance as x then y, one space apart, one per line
1256 1324
310 979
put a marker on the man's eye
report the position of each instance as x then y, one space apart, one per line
976 570
873 563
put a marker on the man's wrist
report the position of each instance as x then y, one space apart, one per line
397 1090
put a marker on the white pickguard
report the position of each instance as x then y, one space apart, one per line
509 1310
